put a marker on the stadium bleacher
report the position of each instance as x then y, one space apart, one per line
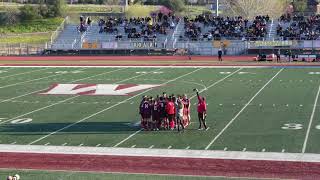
299 27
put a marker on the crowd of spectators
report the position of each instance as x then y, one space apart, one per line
299 27
211 27
135 28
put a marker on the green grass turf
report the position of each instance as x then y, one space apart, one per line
288 98
61 175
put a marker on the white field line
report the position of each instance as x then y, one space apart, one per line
9 85
35 79
310 122
124 140
68 82
59 102
110 107
244 107
23 73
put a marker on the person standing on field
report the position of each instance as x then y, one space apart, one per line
202 111
220 54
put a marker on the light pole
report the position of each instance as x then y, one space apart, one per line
217 11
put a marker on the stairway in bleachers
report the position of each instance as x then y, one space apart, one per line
272 30
68 38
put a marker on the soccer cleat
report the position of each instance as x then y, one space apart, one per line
200 129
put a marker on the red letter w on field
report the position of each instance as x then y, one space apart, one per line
97 89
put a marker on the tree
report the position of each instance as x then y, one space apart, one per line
300 5
56 8
175 5
252 8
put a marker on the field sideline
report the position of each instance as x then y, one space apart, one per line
255 112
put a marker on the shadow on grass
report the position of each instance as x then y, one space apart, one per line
80 128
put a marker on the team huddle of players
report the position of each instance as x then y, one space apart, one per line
165 112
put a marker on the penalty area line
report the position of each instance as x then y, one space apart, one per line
244 107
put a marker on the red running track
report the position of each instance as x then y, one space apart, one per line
161 165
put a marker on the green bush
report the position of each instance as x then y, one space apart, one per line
175 5
28 12
40 25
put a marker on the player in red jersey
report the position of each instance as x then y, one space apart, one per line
202 111
171 112
186 110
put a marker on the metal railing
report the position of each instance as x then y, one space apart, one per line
21 49
59 29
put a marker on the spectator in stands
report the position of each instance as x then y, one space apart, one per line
89 21
225 27
299 27
82 27
135 28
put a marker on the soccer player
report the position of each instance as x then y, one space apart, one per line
144 98
155 114
202 111
145 111
171 112
163 113
180 112
186 110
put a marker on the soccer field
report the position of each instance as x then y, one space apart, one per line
249 109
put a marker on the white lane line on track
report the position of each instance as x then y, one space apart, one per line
45 107
244 107
110 107
310 122
23 73
124 140
33 92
